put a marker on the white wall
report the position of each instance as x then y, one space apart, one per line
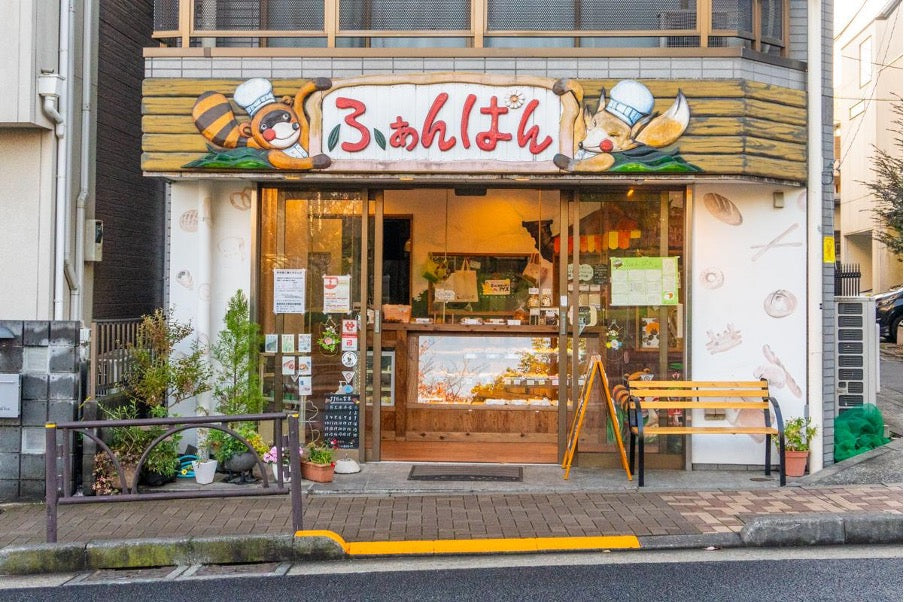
26 215
732 281
230 206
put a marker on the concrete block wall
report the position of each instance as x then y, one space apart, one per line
46 356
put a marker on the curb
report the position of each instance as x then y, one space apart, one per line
812 529
760 531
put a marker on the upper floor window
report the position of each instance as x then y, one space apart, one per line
756 24
866 61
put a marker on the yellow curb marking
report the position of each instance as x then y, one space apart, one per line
477 546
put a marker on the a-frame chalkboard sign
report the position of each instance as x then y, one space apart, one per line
595 371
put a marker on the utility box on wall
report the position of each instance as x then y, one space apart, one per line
94 240
856 352
10 396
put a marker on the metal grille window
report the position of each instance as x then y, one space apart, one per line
639 15
736 15
282 15
166 15
405 15
590 15
772 25
530 15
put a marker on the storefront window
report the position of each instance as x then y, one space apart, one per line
629 283
309 299
488 371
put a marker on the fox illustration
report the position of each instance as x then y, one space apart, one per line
625 123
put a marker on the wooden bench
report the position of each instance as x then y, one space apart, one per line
682 395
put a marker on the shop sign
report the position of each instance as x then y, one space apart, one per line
449 122
441 122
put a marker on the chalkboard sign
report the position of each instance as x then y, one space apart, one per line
600 274
340 420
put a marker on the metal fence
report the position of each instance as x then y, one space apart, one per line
61 437
110 341
847 279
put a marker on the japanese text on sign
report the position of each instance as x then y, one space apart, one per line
454 121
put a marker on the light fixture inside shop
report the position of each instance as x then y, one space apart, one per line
470 191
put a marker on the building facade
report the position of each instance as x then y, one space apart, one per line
488 196
867 86
82 227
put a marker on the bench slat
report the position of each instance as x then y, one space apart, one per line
707 430
641 392
704 405
685 384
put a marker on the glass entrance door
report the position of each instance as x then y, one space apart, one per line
309 298
625 274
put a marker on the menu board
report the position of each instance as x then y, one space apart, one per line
644 281
340 420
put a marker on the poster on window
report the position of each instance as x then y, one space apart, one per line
337 294
288 291
644 281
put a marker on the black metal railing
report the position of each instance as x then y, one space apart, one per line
60 438
847 279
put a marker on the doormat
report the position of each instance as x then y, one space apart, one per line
465 473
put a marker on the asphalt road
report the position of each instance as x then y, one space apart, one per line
848 573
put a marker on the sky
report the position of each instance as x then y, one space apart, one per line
845 9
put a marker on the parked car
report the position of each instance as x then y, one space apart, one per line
888 314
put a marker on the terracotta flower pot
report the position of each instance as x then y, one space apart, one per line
796 463
320 473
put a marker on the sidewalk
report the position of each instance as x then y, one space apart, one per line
677 509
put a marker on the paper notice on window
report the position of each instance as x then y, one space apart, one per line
644 281
337 294
288 291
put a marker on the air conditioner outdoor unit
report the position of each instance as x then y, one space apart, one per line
856 352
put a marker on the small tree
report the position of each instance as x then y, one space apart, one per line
886 190
157 376
237 387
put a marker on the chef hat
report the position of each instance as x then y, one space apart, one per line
630 101
251 95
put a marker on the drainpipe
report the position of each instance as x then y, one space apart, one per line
202 280
815 405
49 88
75 296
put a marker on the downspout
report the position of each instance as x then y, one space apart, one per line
49 89
75 296
814 408
205 258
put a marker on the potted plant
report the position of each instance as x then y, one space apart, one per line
205 467
156 378
275 459
318 465
798 433
233 455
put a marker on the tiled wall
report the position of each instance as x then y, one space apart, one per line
46 355
581 68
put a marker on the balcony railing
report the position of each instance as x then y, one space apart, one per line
760 25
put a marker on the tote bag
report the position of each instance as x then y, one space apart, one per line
464 283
